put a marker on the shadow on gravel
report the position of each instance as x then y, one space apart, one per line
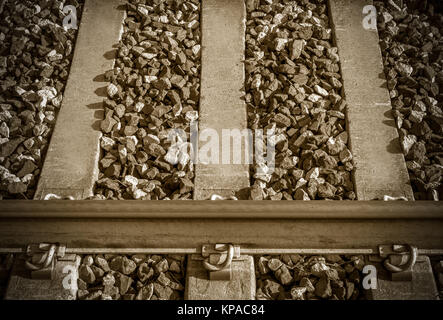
382 76
243 194
390 123
110 55
101 92
99 78
98 114
394 146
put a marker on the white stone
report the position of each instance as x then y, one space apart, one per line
29 143
172 155
404 69
4 130
191 24
278 18
320 91
139 106
273 140
386 17
149 79
261 35
48 92
258 55
107 143
263 177
316 21
112 90
122 152
130 181
26 179
319 268
196 49
138 194
417 116
191 115
312 174
143 10
300 183
407 142
153 138
40 117
54 56
314 97
20 91
261 168
148 55
298 292
280 44
256 81
132 138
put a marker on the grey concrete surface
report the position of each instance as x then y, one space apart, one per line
62 287
380 168
71 164
422 286
222 82
241 286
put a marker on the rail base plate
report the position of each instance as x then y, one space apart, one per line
422 286
240 287
63 286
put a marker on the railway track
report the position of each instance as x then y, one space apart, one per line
248 100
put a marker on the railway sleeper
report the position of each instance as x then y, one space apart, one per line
72 167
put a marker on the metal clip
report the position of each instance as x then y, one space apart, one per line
400 260
42 259
53 196
218 197
389 198
218 259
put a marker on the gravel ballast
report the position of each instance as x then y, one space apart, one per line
35 57
294 86
412 46
137 277
154 87
296 277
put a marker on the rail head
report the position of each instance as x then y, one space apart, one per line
353 210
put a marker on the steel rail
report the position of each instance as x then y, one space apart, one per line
341 225
62 209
